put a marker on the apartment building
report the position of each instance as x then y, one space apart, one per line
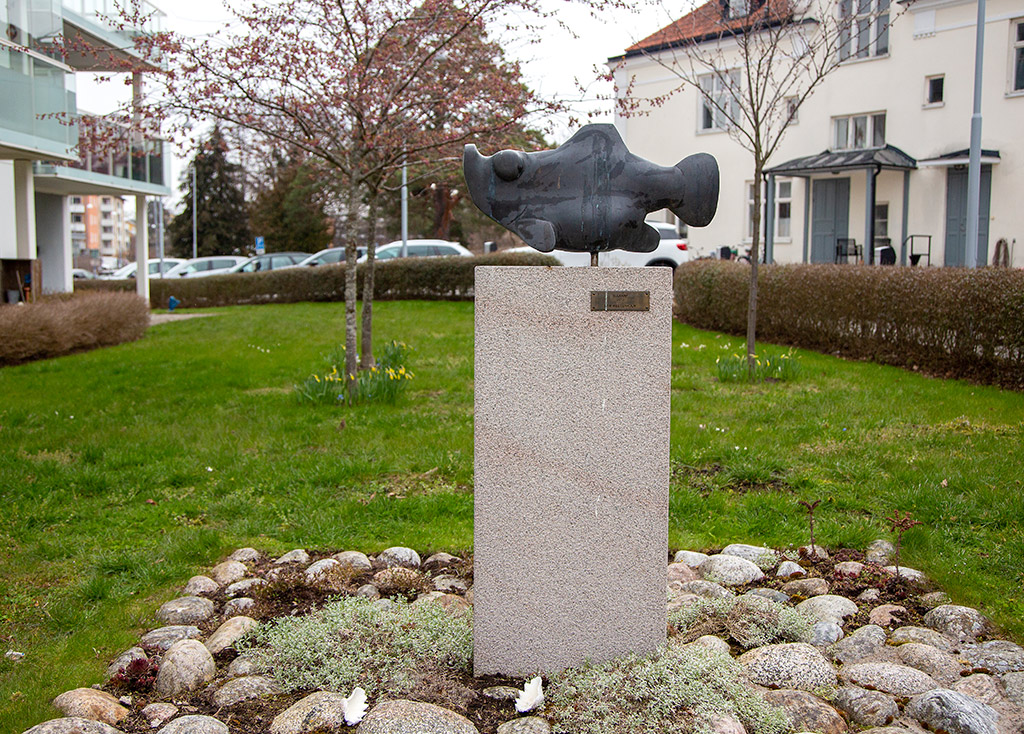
43 162
100 236
877 156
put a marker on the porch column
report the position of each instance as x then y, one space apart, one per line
807 219
769 221
869 216
905 230
141 248
25 212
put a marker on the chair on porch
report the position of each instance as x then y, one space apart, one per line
847 247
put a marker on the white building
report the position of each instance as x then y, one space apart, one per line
41 162
891 123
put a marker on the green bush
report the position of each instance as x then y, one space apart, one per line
951 322
432 279
58 326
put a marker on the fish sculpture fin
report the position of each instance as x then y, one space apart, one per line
537 233
699 200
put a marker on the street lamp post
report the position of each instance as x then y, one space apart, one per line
974 163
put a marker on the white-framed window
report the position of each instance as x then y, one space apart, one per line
1017 55
857 132
934 90
718 103
881 219
738 8
783 210
793 110
864 28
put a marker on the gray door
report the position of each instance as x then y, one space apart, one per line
956 216
830 217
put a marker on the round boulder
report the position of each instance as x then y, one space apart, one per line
690 558
707 589
124 659
941 666
238 605
995 656
228 572
863 643
89 703
729 570
806 712
981 687
414 717
299 555
398 556
186 666
229 633
440 560
880 551
528 725
245 555
1014 684
850 569
72 725
896 680
763 558
789 569
318 712
680 573
788 665
321 569
239 588
954 713
186 610
159 713
195 724
353 559
806 587
828 608
905 635
163 637
200 585
866 708
246 688
960 623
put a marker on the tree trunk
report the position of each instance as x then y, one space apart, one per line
351 293
366 360
755 256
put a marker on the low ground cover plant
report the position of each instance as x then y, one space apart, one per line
58 326
771 365
382 383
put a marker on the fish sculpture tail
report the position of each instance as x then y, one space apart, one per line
699 193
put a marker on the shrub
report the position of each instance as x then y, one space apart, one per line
65 325
354 642
952 322
751 621
436 278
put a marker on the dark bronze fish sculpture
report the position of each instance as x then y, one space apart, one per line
589 194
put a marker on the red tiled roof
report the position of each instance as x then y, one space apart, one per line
709 21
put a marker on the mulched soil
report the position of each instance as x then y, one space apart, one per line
292 594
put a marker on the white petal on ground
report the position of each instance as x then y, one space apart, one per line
530 697
355 706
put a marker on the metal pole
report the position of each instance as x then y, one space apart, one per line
405 211
194 240
974 165
160 231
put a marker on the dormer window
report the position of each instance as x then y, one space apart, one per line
737 8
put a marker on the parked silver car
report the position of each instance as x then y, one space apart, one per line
421 248
270 261
201 267
330 256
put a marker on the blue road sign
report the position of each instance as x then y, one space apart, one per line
260 248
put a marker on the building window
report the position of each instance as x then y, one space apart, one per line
718 102
881 220
864 28
1017 71
783 210
935 90
108 230
76 199
738 8
76 218
857 132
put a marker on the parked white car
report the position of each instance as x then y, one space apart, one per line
270 261
331 256
421 248
129 270
673 250
201 267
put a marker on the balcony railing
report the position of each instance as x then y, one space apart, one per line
39 98
103 12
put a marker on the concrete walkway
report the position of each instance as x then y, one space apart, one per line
163 318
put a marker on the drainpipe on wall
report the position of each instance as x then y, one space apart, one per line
869 218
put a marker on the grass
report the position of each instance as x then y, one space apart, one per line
125 470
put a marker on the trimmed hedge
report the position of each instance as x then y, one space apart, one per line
58 326
952 322
435 278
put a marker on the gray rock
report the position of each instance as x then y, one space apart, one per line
866 708
88 703
246 688
960 623
245 555
995 656
862 644
228 572
163 637
828 608
319 712
680 573
245 586
884 615
398 576
706 589
774 595
718 723
449 584
200 585
711 643
925 636
158 713
525 725
825 633
814 552
450 602
72 725
896 680
501 693
186 666
186 610
229 633
122 660
1014 684
398 556
869 595
354 560
911 574
851 569
242 665
954 713
934 599
941 666
788 665
880 551
788 569
806 712
321 568
195 724
413 717
238 605
981 687
729 570
690 558
679 599
806 587
763 558
298 555
439 561
368 591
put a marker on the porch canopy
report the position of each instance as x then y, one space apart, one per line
872 160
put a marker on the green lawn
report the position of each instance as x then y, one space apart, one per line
125 470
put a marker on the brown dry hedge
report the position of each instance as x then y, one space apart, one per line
58 326
438 278
951 322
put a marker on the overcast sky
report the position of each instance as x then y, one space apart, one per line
552 66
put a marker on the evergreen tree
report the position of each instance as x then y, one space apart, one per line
289 214
222 222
